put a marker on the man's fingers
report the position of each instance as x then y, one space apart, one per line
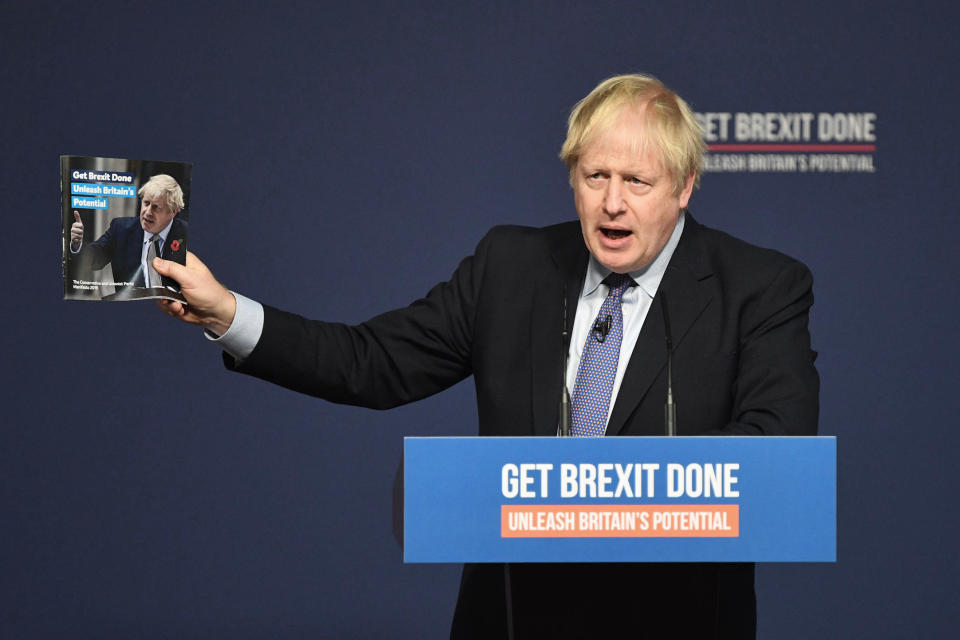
76 215
76 233
170 306
210 304
164 305
175 309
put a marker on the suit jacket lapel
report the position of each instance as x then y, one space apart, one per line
561 283
175 233
686 299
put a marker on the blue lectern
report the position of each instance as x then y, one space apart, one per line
620 499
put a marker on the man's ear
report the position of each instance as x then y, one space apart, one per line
687 190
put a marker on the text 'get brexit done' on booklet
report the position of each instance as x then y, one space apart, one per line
119 214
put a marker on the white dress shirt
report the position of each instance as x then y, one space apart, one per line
636 303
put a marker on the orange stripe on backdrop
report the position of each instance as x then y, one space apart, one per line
620 521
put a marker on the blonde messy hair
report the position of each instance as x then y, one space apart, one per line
164 185
671 127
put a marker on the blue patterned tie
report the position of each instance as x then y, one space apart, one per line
598 363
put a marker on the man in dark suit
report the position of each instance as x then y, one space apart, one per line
128 242
742 362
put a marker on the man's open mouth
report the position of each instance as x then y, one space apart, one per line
615 234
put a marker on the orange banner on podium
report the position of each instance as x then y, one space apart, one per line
620 521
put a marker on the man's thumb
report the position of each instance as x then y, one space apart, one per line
171 269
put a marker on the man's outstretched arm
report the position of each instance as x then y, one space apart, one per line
392 359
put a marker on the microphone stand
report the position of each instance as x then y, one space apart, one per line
565 419
669 409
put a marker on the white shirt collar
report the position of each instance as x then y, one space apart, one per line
647 278
163 233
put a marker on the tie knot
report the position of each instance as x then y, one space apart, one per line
618 283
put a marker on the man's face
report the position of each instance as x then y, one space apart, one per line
624 197
155 214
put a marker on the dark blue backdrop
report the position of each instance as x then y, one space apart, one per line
347 155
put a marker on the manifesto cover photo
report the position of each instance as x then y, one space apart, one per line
118 215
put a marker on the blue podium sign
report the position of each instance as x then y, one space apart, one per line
622 499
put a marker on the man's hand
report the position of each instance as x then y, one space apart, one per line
76 232
209 304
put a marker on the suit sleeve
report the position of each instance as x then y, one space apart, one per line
777 386
98 254
395 358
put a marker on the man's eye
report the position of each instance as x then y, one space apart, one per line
636 180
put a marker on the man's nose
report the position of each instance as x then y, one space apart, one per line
613 198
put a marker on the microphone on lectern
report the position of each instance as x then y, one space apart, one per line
669 409
565 418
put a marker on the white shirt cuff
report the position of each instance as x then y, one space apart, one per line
244 332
